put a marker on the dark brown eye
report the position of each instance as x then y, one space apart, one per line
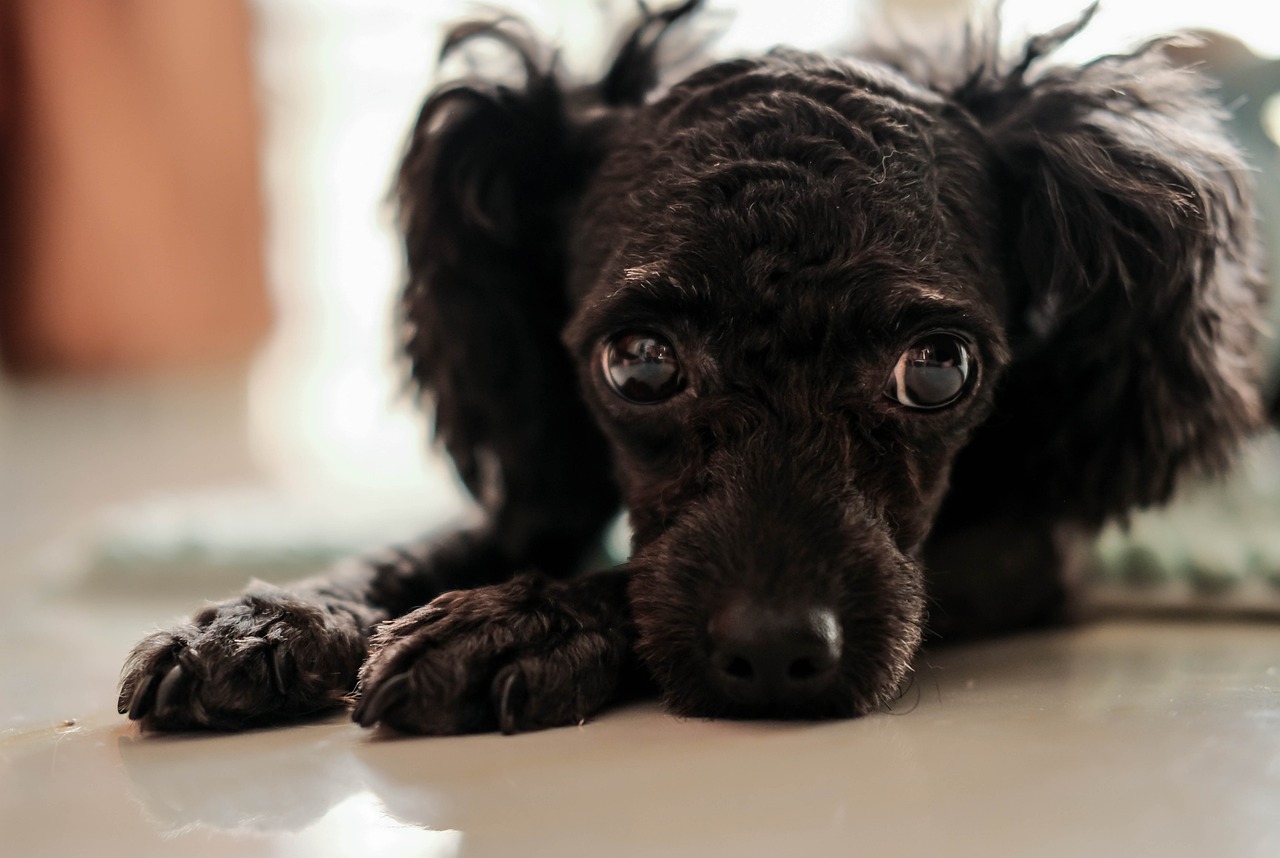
932 373
642 367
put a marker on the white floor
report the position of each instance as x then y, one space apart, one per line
1125 737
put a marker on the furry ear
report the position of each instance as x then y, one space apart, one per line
1132 248
486 189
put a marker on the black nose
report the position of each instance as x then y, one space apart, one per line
762 655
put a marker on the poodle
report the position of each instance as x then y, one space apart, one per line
866 346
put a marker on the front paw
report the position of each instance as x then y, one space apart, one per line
528 654
264 658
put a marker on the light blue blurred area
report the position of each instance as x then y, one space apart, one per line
1215 548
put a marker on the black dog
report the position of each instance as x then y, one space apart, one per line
866 347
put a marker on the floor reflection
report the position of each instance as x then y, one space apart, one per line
1074 725
266 781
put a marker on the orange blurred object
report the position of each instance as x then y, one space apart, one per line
132 205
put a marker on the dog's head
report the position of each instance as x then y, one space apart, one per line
792 289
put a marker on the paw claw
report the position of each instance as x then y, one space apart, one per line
279 663
385 697
512 697
139 704
168 694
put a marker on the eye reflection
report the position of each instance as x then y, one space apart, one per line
933 373
642 367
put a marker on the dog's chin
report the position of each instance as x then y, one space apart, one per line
695 699
692 692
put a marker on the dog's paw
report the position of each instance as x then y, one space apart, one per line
264 658
528 654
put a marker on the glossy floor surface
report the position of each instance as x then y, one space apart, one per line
1119 739
1122 737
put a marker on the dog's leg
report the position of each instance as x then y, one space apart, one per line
523 655
274 654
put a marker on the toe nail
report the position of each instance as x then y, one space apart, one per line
140 703
168 692
511 701
384 698
279 669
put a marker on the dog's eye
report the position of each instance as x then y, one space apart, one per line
932 373
642 367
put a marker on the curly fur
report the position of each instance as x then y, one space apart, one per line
791 223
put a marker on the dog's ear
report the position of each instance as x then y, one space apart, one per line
1136 274
485 191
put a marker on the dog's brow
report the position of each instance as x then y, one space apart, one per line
926 293
643 295
640 274
648 281
931 296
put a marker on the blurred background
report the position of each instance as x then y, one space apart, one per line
197 266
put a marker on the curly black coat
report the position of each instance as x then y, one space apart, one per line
866 347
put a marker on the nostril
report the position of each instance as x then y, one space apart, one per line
739 668
802 669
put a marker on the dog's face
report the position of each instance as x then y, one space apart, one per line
789 320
